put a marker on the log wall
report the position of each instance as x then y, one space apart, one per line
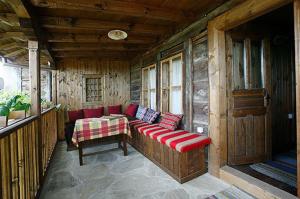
116 76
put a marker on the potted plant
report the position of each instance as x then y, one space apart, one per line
4 113
18 107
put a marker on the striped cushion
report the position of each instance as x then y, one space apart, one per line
184 141
137 123
150 116
141 112
144 128
170 121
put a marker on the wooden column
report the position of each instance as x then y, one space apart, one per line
35 77
35 91
297 71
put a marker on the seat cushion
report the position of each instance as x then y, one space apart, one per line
75 115
141 112
93 113
150 116
170 121
117 109
131 110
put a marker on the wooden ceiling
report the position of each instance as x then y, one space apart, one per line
79 28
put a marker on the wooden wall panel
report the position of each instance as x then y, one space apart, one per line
200 84
69 77
135 82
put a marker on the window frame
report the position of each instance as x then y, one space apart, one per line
170 61
84 78
149 89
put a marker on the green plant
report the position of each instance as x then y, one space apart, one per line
13 102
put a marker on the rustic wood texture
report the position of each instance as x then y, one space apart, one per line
181 166
217 75
297 75
149 19
200 91
19 156
116 77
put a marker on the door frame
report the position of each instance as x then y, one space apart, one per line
217 27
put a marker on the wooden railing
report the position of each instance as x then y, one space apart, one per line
23 152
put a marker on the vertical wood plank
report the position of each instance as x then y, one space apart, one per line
5 168
297 71
14 165
21 163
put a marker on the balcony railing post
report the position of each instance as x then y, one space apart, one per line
35 90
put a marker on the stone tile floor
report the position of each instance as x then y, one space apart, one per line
110 175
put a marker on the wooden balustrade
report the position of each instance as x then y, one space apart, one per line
20 155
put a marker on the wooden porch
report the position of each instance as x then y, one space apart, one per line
228 69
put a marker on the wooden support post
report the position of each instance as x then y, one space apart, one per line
297 71
35 77
35 90
188 101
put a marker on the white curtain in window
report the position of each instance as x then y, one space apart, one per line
176 73
176 103
152 78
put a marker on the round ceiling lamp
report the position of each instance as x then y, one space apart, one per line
117 34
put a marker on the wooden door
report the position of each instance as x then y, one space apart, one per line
248 99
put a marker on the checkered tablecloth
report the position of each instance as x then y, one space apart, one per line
93 128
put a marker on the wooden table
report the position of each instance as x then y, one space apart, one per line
93 131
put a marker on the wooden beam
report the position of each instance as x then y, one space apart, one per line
104 26
19 8
9 19
96 47
119 8
297 71
14 35
15 53
96 54
93 38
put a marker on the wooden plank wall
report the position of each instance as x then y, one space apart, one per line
69 86
200 84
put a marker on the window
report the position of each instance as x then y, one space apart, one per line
171 85
92 89
149 86
247 64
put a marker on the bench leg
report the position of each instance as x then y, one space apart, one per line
125 144
80 155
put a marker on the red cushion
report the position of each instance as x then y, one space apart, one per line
75 115
131 110
92 113
170 121
115 109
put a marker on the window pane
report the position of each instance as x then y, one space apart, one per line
145 79
176 73
145 100
238 65
256 69
153 100
176 103
165 87
152 78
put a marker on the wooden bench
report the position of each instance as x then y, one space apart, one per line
182 166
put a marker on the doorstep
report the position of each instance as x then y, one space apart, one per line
252 185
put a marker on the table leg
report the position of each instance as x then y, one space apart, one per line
80 155
119 142
125 144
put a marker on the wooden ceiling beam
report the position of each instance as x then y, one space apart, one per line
92 38
9 19
119 8
14 35
96 54
96 25
15 53
29 22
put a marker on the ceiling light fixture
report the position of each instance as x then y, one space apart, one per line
117 34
